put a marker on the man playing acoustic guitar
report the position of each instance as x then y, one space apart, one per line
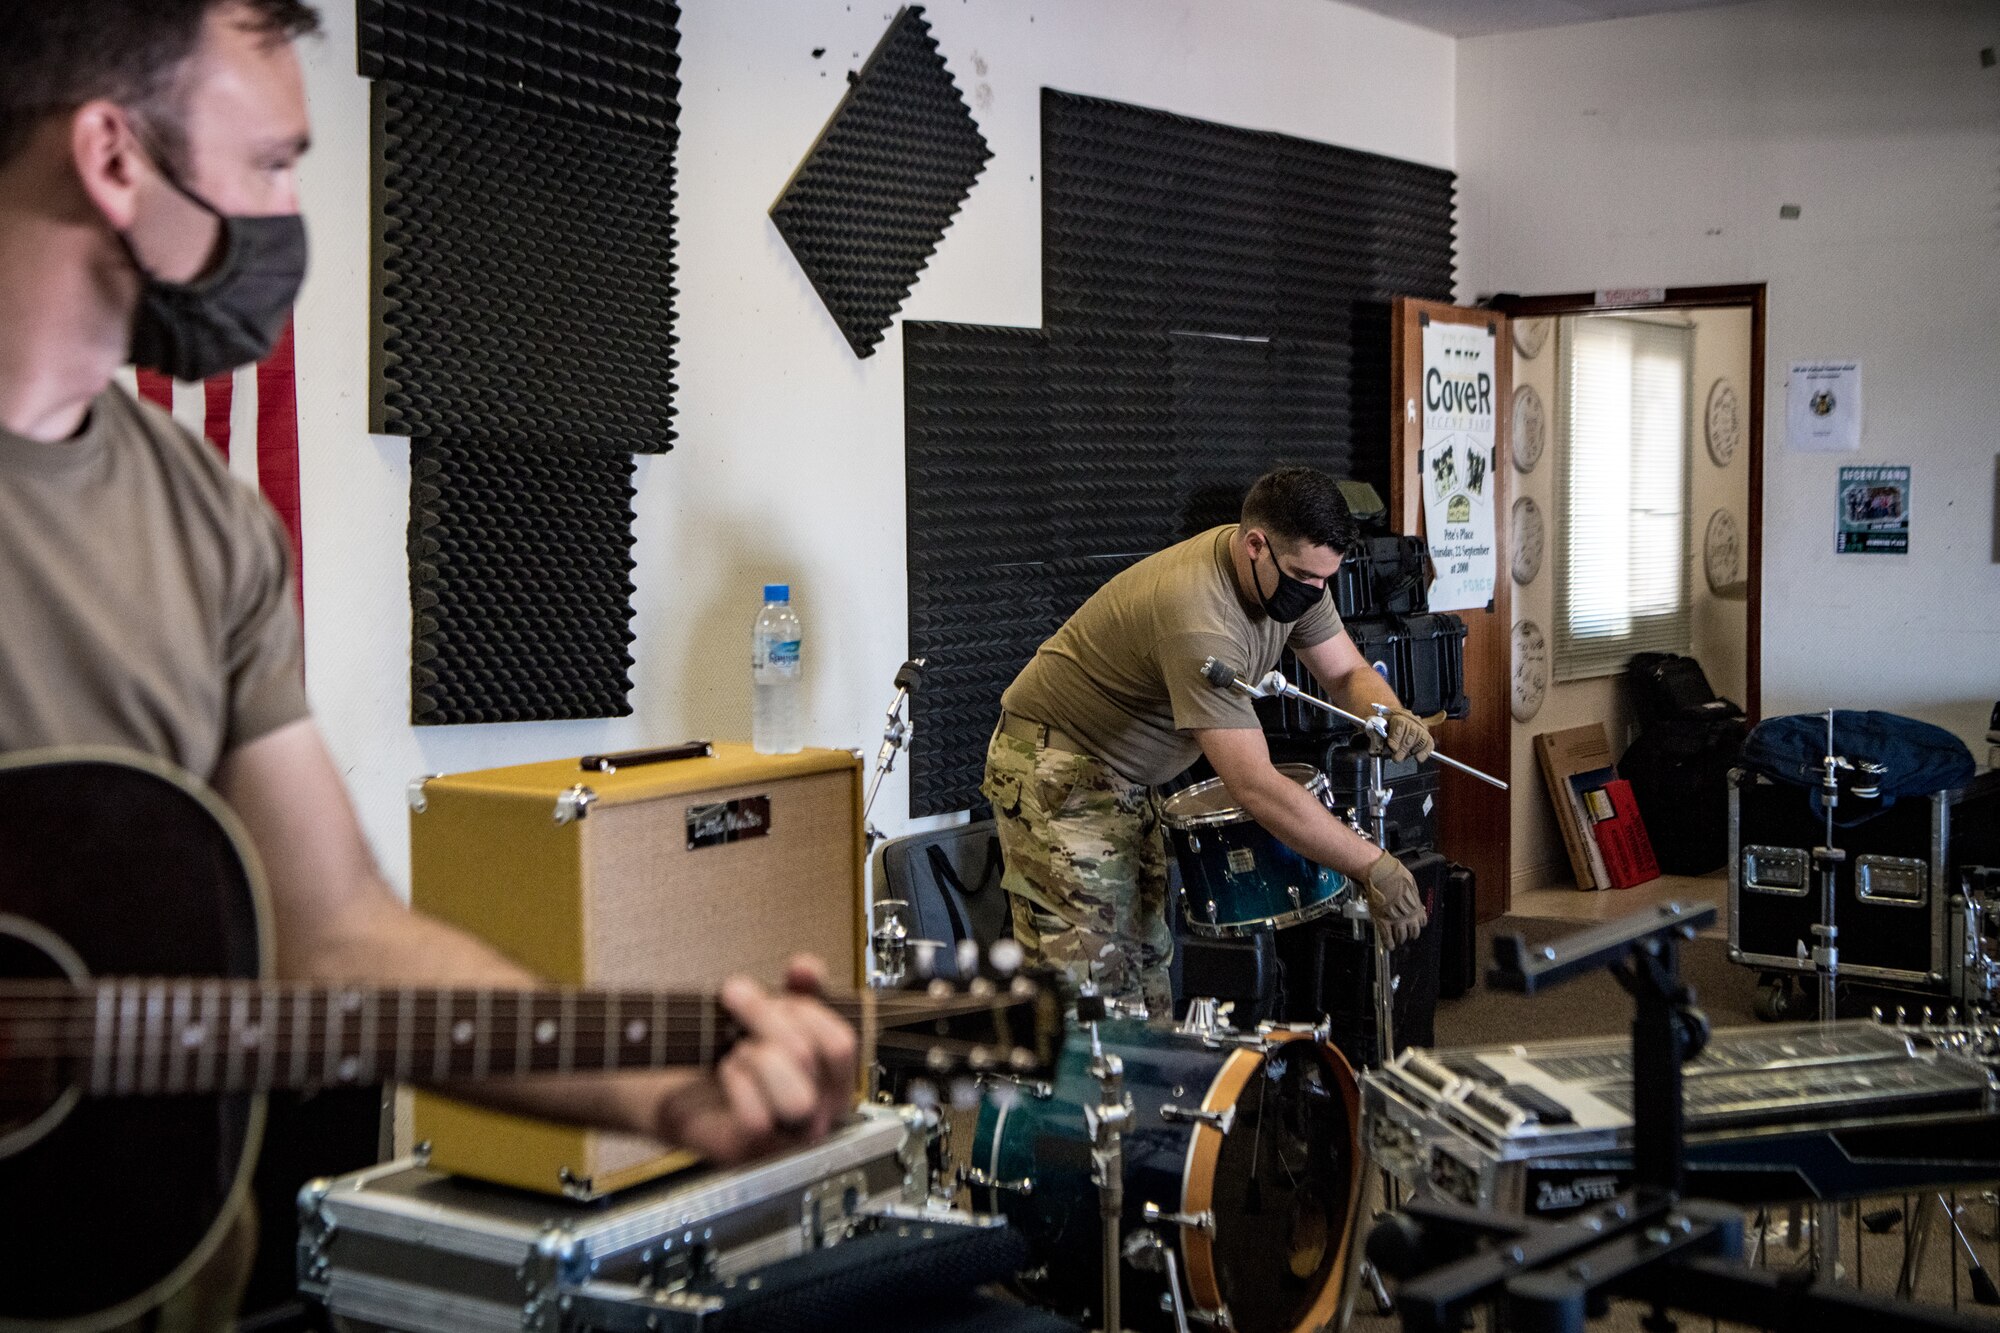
149 213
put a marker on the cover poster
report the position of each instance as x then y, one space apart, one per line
1457 463
1874 511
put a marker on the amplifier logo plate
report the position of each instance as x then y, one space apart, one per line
728 821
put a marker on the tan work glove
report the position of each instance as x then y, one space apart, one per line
1408 737
1393 900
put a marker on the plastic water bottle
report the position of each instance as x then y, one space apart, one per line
774 674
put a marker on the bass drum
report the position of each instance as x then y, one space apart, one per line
1252 1139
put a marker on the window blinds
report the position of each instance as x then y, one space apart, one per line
1623 416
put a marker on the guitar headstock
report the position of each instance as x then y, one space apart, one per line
967 1018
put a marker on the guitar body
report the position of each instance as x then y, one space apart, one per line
115 866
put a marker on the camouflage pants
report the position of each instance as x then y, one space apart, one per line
1086 868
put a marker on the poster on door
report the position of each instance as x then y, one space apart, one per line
1457 463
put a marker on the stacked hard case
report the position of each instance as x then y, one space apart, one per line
1899 894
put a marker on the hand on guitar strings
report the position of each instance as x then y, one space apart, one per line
785 1082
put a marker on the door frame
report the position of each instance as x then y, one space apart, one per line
1475 825
1700 298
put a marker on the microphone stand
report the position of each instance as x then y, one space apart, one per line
896 733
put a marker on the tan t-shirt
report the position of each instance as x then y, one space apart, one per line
146 593
1123 675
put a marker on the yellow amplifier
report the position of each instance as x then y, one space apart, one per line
666 875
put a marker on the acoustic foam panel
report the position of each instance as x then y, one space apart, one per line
614 61
520 581
524 275
1217 302
874 195
1157 221
977 412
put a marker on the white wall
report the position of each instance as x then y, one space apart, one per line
1721 348
789 465
1658 152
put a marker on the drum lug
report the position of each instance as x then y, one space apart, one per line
1040 1090
1219 1121
978 1179
1203 1221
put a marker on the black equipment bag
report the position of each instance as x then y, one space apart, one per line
1679 771
951 880
1911 758
1668 687
1458 915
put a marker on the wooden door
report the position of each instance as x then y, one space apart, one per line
1473 818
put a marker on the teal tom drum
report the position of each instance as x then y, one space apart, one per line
1235 877
1246 1145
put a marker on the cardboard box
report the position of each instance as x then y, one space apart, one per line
1563 755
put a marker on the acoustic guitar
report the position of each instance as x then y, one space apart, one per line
140 1027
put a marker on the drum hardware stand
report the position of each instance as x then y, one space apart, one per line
1826 961
1107 1121
897 732
1145 1251
1646 1244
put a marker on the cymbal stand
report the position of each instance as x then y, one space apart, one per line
1107 1122
1826 961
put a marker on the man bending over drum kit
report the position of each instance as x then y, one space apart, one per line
1116 702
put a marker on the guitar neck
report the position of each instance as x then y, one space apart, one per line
138 1036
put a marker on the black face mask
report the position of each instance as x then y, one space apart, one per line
1293 598
231 316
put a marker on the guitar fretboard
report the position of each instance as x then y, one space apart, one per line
147 1036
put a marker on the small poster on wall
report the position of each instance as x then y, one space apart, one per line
1873 515
1823 406
1456 463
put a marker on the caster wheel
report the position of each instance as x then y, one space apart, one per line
1776 1001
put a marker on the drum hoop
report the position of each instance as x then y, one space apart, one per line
1238 929
1198 1177
1235 814
1205 1154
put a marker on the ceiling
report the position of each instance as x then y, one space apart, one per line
1480 18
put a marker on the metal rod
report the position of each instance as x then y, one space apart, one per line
1275 683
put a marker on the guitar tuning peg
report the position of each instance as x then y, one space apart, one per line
1021 988
923 1094
967 957
939 989
982 988
927 952
1021 1059
938 1059
964 1094
1006 957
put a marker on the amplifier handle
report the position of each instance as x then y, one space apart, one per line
611 763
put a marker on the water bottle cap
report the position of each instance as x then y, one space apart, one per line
777 592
